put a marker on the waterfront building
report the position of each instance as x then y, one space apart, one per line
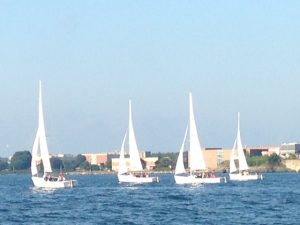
288 149
271 150
62 156
148 162
215 157
257 151
96 158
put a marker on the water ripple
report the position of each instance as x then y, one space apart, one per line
101 200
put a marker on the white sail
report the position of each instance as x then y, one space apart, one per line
233 156
135 162
40 141
34 154
196 160
122 163
241 156
180 165
43 140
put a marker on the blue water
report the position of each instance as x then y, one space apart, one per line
99 199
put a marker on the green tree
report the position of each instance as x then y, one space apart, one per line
56 163
108 164
68 165
166 160
79 160
274 160
257 160
3 165
21 160
95 167
102 166
164 163
85 165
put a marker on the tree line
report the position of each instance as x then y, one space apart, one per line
21 160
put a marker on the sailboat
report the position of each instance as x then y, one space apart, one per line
135 172
40 151
241 173
198 172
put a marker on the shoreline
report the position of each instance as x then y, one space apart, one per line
102 172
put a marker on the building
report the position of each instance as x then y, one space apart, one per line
96 158
272 150
62 156
214 157
288 149
149 162
257 151
115 163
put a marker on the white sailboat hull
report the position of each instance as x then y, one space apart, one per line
42 183
192 179
124 178
244 177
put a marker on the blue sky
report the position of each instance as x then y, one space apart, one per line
92 56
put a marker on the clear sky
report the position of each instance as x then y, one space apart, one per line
93 56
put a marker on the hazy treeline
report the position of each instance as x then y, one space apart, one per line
21 161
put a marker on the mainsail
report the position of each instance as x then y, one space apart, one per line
242 159
135 162
40 141
196 161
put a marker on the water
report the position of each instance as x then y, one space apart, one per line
99 199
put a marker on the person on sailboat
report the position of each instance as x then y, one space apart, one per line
47 177
61 177
244 172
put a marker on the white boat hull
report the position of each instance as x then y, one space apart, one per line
192 179
123 178
244 177
42 183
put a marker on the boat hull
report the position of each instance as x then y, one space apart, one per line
42 183
191 179
245 177
136 180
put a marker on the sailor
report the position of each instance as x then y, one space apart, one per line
61 177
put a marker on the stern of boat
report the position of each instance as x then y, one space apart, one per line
155 179
70 183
